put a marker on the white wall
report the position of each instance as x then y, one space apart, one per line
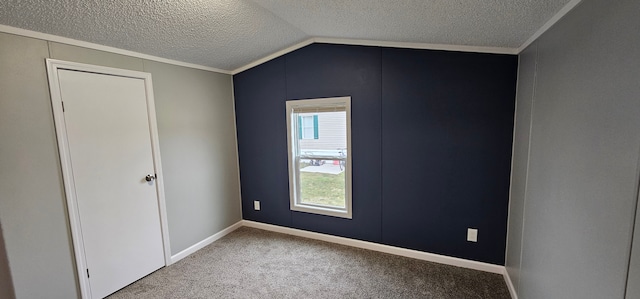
575 218
197 144
32 208
196 129
520 162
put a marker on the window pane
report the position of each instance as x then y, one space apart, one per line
322 183
307 127
318 136
322 178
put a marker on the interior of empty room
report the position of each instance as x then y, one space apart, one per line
500 137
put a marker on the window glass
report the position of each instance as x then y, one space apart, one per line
319 163
307 127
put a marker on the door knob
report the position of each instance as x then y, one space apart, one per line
150 178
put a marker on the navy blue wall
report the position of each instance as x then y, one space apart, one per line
431 143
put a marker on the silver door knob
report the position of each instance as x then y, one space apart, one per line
150 178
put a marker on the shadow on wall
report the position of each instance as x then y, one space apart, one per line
6 287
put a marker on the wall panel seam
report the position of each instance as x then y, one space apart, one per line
381 153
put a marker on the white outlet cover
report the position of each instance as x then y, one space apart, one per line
472 235
256 205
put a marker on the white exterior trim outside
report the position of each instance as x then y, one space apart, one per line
65 158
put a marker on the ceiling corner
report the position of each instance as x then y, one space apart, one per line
557 17
273 56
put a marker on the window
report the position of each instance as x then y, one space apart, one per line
309 127
319 144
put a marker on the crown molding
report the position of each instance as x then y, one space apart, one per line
386 44
325 40
273 56
424 46
79 43
559 15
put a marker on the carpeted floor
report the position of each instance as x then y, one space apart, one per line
252 263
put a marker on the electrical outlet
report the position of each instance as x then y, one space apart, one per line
256 205
472 235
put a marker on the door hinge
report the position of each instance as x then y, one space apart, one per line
62 106
88 273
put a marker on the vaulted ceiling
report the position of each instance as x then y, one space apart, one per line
228 34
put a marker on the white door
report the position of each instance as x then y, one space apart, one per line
109 145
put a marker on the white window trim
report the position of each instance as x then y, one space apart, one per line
294 178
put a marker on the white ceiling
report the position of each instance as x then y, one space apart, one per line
229 34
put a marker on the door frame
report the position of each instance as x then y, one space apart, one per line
53 65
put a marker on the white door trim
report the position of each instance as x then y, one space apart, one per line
53 66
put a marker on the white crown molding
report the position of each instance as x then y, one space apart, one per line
79 43
326 40
565 10
424 46
273 56
386 44
420 255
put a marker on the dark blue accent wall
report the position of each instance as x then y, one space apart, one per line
447 135
431 143
260 95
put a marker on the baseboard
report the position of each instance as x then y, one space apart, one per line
420 255
182 254
512 289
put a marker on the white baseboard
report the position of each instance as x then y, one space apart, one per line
420 255
195 247
512 289
425 256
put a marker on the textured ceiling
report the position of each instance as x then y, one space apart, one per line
228 34
485 23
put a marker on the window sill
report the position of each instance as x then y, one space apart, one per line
312 209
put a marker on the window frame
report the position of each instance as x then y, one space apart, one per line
294 160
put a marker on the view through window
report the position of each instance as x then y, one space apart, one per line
319 160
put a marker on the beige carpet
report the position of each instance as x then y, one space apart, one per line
252 263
